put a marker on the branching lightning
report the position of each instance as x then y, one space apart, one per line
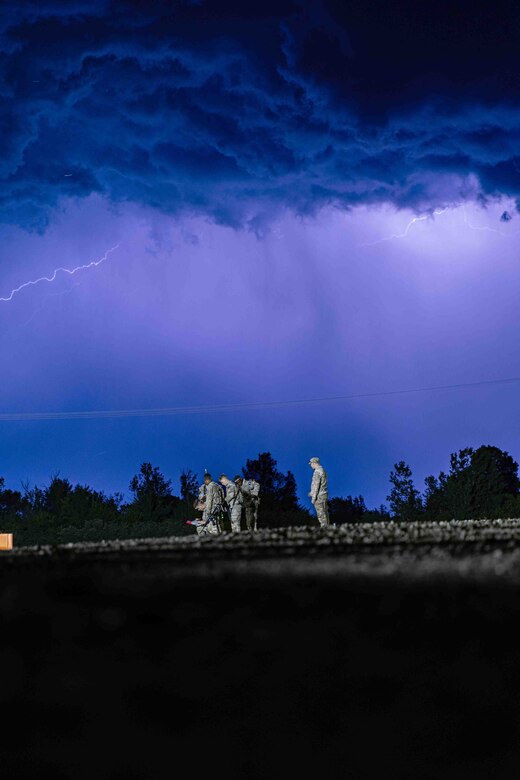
407 229
478 227
435 213
52 277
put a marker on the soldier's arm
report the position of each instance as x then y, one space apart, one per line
230 493
315 486
209 500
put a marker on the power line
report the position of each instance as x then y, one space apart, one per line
179 410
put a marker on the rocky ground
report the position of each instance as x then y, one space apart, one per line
353 651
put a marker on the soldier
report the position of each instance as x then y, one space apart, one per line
319 492
212 508
234 501
254 490
251 494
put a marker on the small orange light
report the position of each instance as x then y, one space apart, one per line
6 541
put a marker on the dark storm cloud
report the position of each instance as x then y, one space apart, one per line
236 110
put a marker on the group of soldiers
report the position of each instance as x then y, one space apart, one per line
232 505
227 505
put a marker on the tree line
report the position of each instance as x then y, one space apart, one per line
481 483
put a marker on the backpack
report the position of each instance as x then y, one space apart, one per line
248 500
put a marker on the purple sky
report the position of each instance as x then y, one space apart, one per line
186 312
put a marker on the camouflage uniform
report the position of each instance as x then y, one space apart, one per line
212 508
252 488
235 502
320 495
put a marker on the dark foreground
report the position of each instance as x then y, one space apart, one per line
365 652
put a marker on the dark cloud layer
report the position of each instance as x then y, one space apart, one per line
236 110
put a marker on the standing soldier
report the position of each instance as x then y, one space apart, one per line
212 510
251 492
234 501
319 492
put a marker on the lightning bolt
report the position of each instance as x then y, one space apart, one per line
437 212
70 271
479 227
407 229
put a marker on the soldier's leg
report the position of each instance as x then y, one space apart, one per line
250 518
322 512
256 516
236 514
326 512
225 523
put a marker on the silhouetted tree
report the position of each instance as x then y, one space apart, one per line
11 501
82 505
405 501
481 483
493 480
347 510
434 497
189 485
56 493
287 494
150 482
153 499
376 515
189 490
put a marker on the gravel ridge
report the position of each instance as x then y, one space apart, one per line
467 550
